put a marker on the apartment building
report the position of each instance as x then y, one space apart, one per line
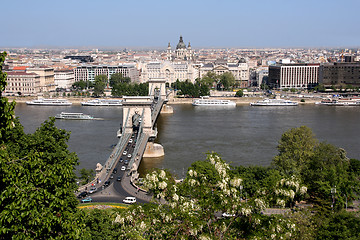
89 72
336 74
46 74
22 83
298 76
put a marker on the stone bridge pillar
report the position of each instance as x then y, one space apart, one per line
140 106
157 83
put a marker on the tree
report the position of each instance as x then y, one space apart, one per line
210 79
86 175
100 84
117 78
239 93
80 85
227 80
7 109
296 146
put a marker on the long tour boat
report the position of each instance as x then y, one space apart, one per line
73 116
49 102
103 102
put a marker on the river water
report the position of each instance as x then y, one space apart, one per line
242 136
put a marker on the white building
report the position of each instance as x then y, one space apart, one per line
22 83
89 72
64 78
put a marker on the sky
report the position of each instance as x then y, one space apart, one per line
204 23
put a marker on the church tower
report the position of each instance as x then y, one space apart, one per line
168 53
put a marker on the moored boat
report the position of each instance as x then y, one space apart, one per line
274 102
213 102
103 102
340 102
49 102
73 116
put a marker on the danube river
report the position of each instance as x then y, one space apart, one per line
242 136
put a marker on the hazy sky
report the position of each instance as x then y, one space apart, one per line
205 23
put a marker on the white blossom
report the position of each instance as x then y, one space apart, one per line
303 190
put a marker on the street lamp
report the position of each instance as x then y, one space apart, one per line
333 192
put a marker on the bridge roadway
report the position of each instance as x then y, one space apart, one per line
128 151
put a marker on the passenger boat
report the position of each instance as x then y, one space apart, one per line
73 116
49 102
213 102
274 102
103 102
340 102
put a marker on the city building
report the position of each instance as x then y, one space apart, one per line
340 74
239 70
182 53
89 72
22 83
47 81
171 71
64 78
299 76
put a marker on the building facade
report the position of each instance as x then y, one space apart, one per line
337 74
89 72
299 76
64 78
181 53
170 71
22 83
46 74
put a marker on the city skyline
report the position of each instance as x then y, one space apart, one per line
206 24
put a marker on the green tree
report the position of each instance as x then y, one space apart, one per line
209 79
117 78
100 84
7 109
86 175
296 147
80 85
227 80
239 93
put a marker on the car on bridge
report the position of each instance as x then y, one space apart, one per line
129 200
88 199
83 194
92 190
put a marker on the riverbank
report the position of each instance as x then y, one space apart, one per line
172 100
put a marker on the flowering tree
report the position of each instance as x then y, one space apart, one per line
207 204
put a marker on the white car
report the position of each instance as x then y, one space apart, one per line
124 153
129 155
92 190
129 200
123 168
130 141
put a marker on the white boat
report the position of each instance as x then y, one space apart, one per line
274 102
73 116
103 102
340 102
49 102
213 102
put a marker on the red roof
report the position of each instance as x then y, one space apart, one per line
19 73
22 68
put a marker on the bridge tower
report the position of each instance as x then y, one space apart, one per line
137 109
157 88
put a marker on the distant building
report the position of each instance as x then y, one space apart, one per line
22 83
239 70
47 81
300 76
89 72
181 53
167 70
83 59
336 74
64 78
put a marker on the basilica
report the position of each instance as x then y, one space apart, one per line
181 65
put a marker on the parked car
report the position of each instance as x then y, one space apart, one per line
82 194
92 189
129 200
118 178
121 160
129 155
107 183
114 171
124 153
88 199
111 176
126 162
130 141
123 168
